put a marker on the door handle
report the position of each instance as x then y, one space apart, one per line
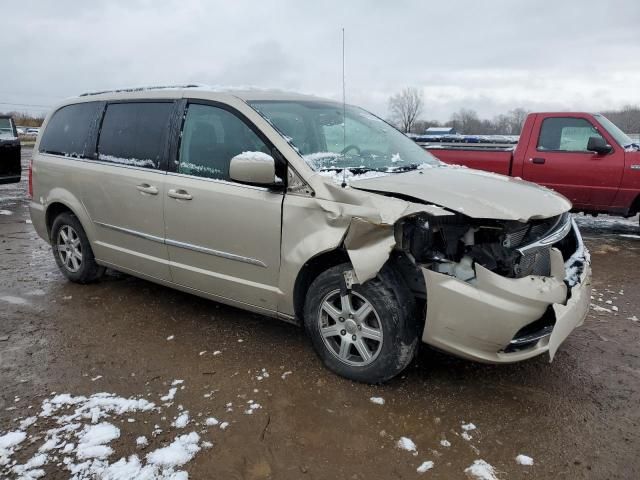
146 188
179 194
538 160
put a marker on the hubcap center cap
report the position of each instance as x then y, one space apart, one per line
350 326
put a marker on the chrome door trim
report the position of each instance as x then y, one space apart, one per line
135 233
217 253
224 182
188 246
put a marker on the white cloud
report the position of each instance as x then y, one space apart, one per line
580 54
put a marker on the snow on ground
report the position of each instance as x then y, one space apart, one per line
481 470
76 436
407 444
524 460
377 400
445 443
6 212
425 466
610 223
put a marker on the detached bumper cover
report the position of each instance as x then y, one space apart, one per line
478 320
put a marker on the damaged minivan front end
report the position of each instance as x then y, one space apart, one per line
383 228
499 291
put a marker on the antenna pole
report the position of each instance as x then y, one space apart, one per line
344 116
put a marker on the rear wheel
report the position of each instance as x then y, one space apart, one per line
72 251
368 333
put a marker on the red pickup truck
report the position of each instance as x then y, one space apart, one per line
583 156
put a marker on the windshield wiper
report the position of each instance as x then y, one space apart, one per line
401 168
355 170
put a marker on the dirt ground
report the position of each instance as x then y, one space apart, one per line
577 417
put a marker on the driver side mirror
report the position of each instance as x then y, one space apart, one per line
253 167
598 145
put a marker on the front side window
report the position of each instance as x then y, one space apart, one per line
330 137
211 137
566 134
135 134
67 131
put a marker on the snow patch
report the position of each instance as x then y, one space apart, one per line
481 470
425 467
182 420
179 452
524 460
407 444
377 400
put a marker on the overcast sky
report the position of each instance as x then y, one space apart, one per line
490 56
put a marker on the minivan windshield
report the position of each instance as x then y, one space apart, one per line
622 138
332 137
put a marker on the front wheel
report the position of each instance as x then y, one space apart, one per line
369 333
72 251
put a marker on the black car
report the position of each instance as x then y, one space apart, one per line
10 168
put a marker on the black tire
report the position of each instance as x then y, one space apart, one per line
394 306
88 270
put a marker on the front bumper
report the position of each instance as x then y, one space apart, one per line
479 320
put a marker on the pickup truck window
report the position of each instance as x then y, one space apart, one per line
566 134
622 138
5 126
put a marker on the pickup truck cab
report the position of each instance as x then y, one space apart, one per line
583 156
10 168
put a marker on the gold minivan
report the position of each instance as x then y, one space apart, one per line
314 212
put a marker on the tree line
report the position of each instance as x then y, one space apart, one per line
25 119
406 109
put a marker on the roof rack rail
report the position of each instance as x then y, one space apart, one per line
139 89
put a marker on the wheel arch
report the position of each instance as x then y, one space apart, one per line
53 211
635 206
310 271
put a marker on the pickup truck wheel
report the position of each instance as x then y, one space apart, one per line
72 251
369 334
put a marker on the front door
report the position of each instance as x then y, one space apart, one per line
560 160
223 237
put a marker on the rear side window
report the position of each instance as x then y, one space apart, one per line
135 134
566 134
68 131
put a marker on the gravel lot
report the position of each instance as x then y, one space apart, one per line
288 417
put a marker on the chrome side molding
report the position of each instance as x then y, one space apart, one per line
187 246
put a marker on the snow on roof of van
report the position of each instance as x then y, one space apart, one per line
247 93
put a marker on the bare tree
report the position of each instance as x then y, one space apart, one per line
466 121
517 118
405 107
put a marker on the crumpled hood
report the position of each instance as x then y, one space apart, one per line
475 193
